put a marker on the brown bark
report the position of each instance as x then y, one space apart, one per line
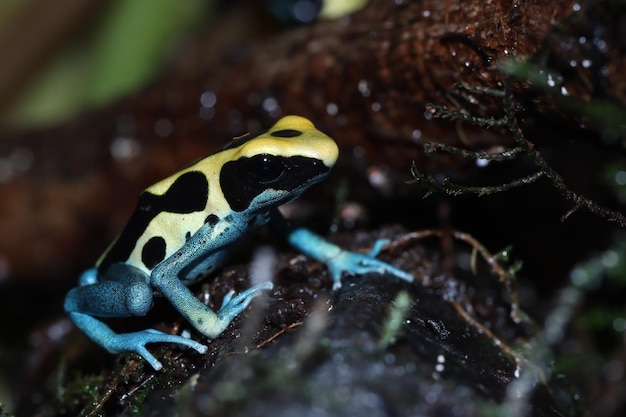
363 80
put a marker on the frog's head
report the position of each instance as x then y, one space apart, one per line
277 166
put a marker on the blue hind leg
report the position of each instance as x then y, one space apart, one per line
124 293
129 342
338 260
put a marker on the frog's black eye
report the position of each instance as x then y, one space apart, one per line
268 168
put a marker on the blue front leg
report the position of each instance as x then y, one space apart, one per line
207 247
336 259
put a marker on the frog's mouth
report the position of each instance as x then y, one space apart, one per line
268 180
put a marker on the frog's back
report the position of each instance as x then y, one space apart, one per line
220 186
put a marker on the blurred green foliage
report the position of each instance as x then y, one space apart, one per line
125 49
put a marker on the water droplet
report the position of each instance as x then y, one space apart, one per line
619 324
363 88
600 44
610 259
271 107
21 159
377 177
208 99
123 148
305 11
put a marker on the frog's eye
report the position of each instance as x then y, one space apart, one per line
268 169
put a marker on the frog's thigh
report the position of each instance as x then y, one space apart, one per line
125 292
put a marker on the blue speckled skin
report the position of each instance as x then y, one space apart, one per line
261 173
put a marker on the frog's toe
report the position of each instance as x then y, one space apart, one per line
359 264
149 357
378 246
136 342
232 306
368 265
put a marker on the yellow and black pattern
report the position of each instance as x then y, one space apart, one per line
247 175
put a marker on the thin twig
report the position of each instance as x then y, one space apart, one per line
432 147
279 333
442 112
554 178
524 146
450 188
506 275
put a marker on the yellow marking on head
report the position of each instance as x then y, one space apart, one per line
312 143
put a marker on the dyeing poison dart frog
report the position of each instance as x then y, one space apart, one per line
186 226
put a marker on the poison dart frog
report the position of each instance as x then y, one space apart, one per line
187 225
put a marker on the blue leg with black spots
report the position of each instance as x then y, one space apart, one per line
337 260
125 292
202 318
233 306
130 342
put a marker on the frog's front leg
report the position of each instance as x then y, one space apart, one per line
202 318
210 246
336 259
124 291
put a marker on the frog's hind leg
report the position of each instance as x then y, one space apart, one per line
123 296
124 292
129 342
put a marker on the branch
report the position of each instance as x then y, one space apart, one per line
524 146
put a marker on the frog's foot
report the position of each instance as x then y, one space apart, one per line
137 341
233 306
130 342
354 263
